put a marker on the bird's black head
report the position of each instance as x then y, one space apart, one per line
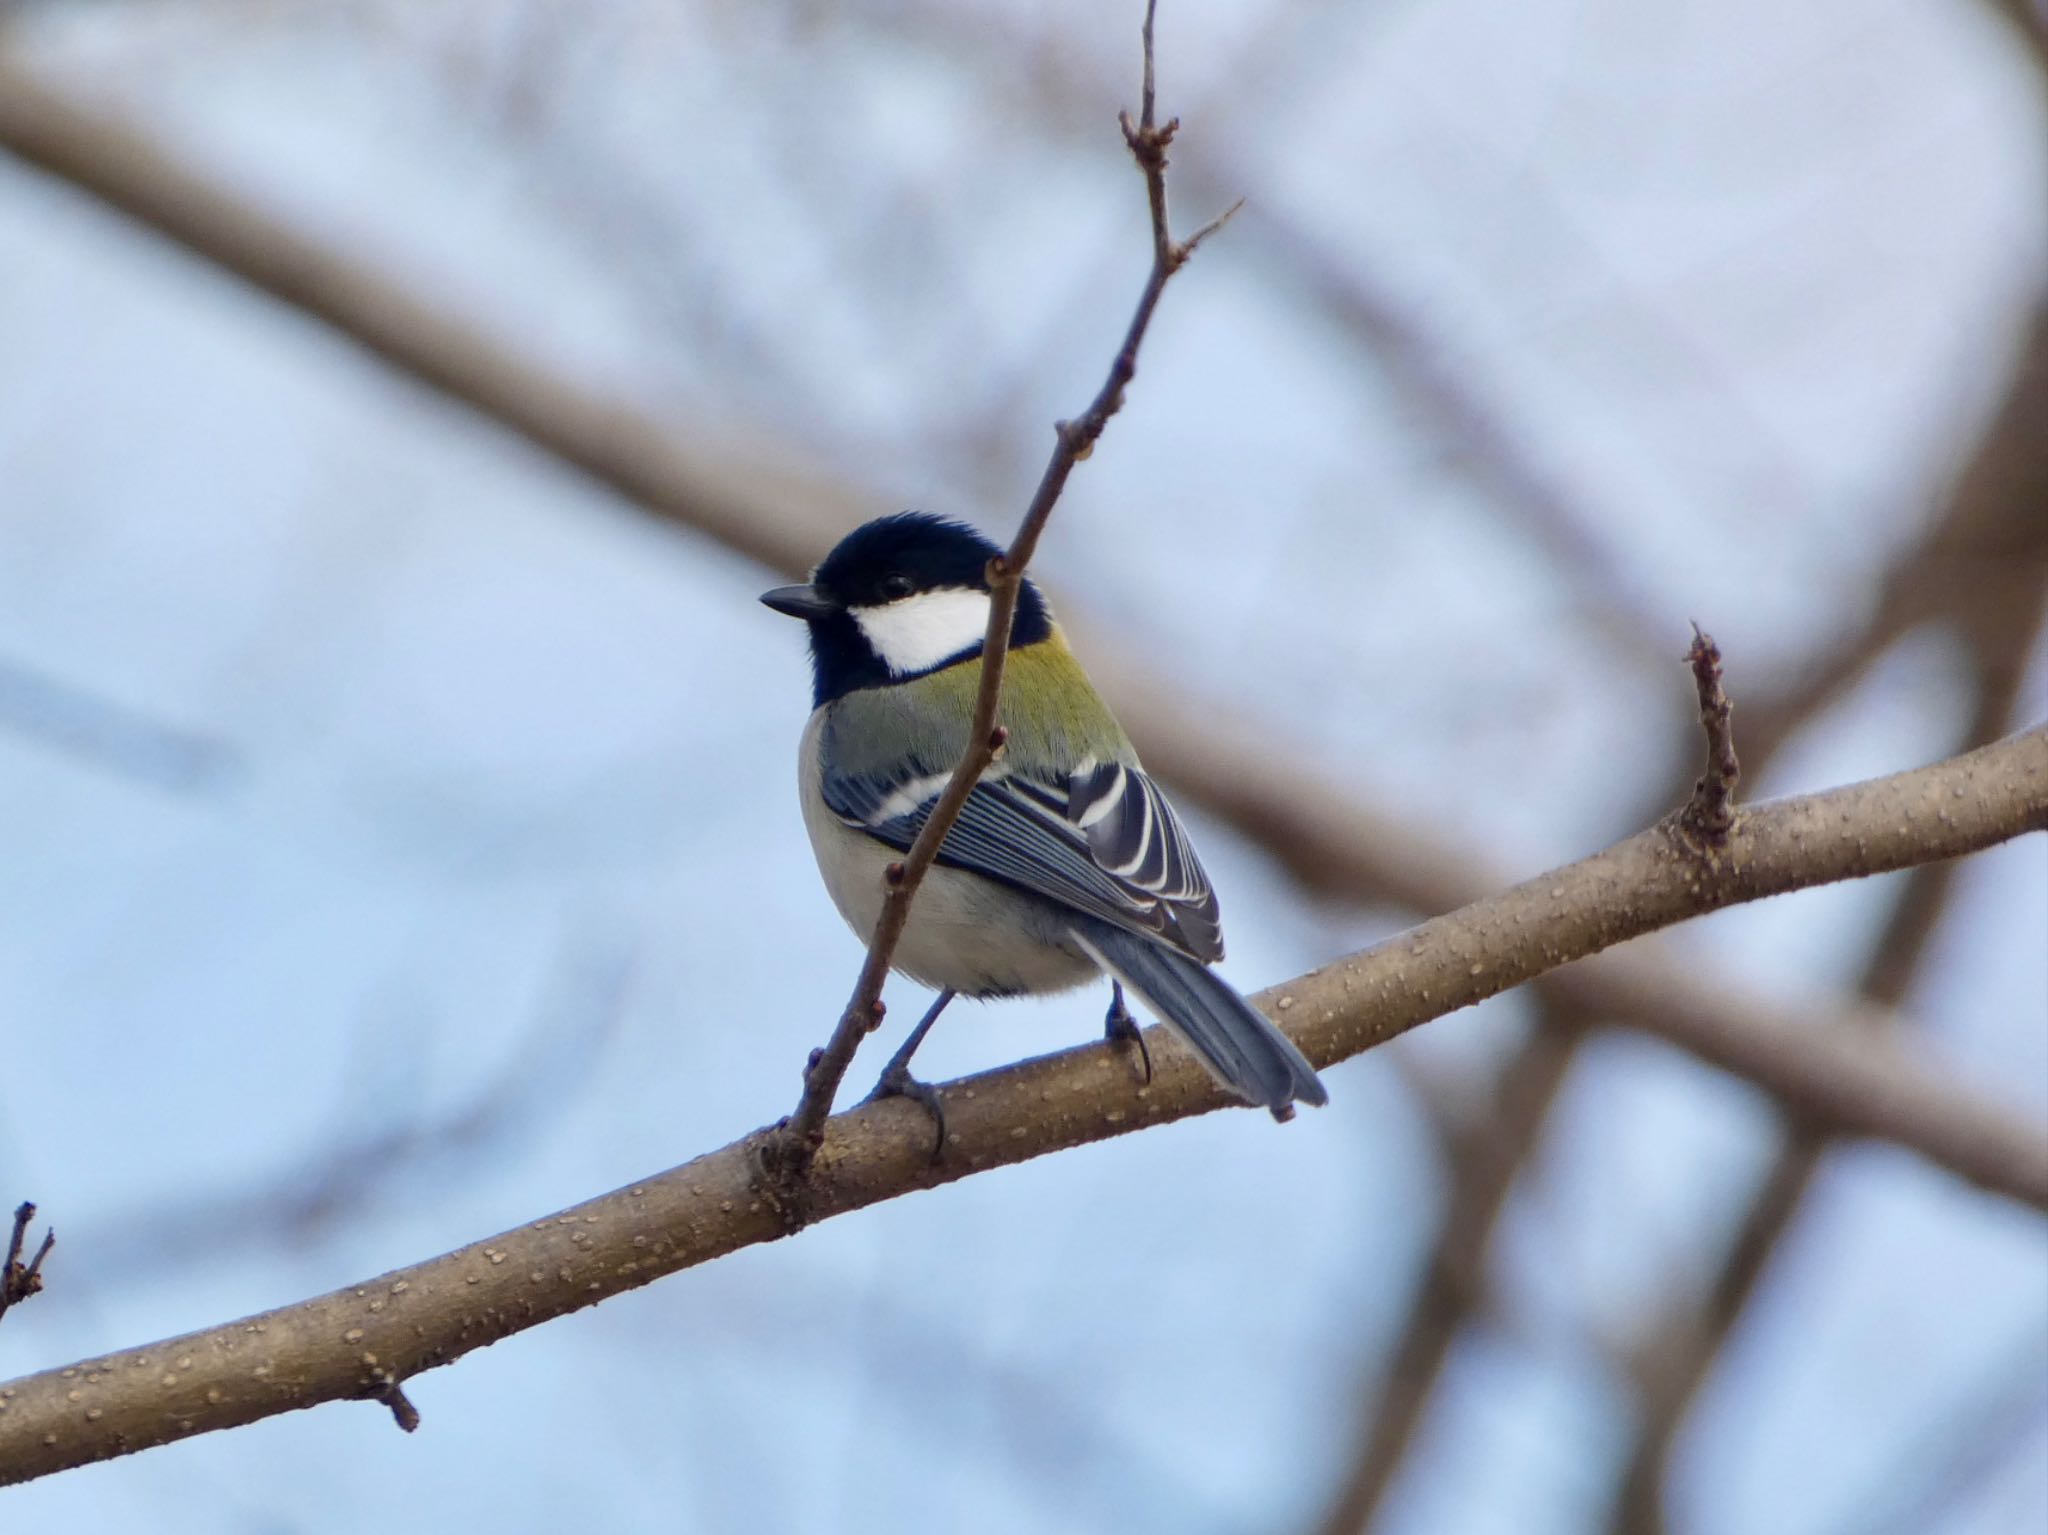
899 597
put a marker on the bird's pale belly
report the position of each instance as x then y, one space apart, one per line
972 934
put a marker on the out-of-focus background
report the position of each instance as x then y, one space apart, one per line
398 836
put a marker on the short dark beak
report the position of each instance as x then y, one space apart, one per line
800 601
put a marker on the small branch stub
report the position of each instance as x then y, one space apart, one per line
403 1413
1186 248
19 1280
1710 813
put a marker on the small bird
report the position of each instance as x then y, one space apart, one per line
1066 862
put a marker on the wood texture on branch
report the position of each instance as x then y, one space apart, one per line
366 1340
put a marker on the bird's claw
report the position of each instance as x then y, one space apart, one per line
1122 1031
897 1082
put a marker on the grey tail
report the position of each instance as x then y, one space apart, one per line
1236 1041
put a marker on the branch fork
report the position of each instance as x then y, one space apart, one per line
19 1280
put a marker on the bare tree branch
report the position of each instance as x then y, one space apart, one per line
753 499
19 1280
1980 572
362 1341
1073 441
1978 567
1707 816
718 487
1681 1347
1345 295
1450 1288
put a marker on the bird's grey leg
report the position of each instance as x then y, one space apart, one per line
897 1082
1121 1029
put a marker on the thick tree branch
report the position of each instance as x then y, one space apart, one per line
1449 1288
1147 140
1681 1346
1978 568
361 1341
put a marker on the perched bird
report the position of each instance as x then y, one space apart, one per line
1067 861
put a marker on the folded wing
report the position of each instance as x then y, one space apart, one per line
1103 840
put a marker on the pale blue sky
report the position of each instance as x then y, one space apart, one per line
493 749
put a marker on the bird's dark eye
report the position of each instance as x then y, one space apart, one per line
895 585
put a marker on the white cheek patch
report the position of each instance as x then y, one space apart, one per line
917 633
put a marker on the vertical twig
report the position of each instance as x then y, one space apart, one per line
18 1280
1711 810
1147 139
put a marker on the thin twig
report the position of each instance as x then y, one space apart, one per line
18 1280
1073 440
1711 810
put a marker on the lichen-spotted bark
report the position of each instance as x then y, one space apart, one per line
356 1342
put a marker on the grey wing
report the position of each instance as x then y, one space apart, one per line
1105 841
1134 836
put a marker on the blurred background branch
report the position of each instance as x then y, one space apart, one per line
109 736
1538 326
1983 572
1981 569
1332 839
